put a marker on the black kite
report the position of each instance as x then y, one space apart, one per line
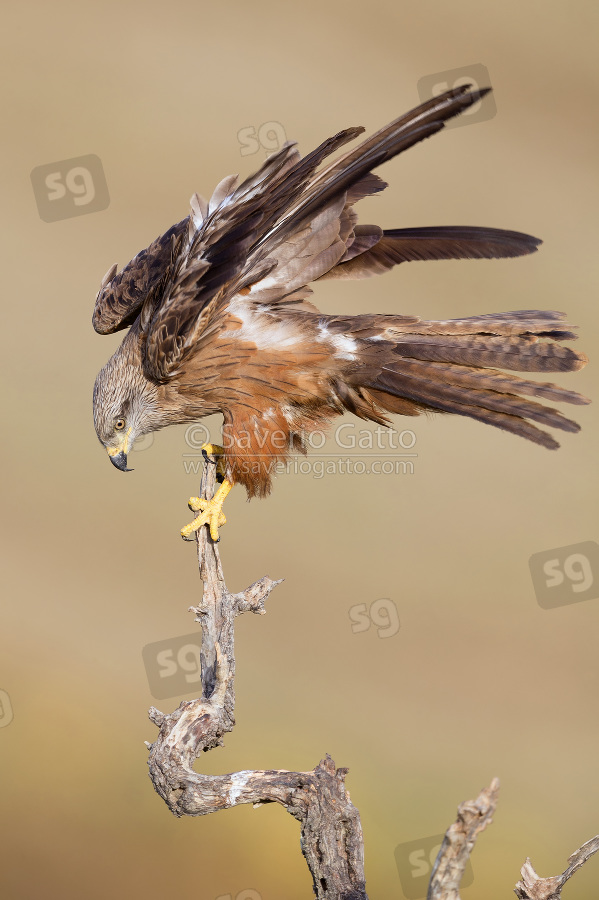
220 321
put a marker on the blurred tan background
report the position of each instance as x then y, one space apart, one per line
479 680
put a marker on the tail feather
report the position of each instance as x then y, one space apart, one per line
522 354
514 424
430 384
543 323
407 366
493 380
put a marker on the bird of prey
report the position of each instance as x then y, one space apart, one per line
220 321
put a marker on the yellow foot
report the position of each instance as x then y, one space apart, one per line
210 513
213 449
218 452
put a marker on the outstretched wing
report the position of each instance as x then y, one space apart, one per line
389 248
264 241
217 256
121 296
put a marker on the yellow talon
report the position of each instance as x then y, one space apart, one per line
210 513
217 451
213 449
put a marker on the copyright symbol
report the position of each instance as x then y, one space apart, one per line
196 435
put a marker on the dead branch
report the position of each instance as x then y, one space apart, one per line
531 887
331 833
473 817
458 843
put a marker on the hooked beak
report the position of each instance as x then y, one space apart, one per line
118 454
120 461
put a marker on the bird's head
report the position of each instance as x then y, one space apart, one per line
125 408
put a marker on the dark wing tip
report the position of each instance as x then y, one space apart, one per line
527 242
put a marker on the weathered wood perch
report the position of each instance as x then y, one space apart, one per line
534 888
458 843
331 832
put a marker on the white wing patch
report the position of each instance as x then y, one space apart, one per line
262 329
345 346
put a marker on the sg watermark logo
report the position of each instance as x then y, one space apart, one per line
173 666
248 894
382 614
566 575
415 861
270 136
6 713
70 187
477 75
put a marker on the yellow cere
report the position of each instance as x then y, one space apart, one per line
123 446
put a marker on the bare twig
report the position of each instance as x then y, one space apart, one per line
531 887
331 833
458 843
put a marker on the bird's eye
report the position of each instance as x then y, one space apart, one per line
119 424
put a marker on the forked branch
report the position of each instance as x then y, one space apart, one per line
532 887
331 833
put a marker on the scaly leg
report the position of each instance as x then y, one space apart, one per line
210 510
